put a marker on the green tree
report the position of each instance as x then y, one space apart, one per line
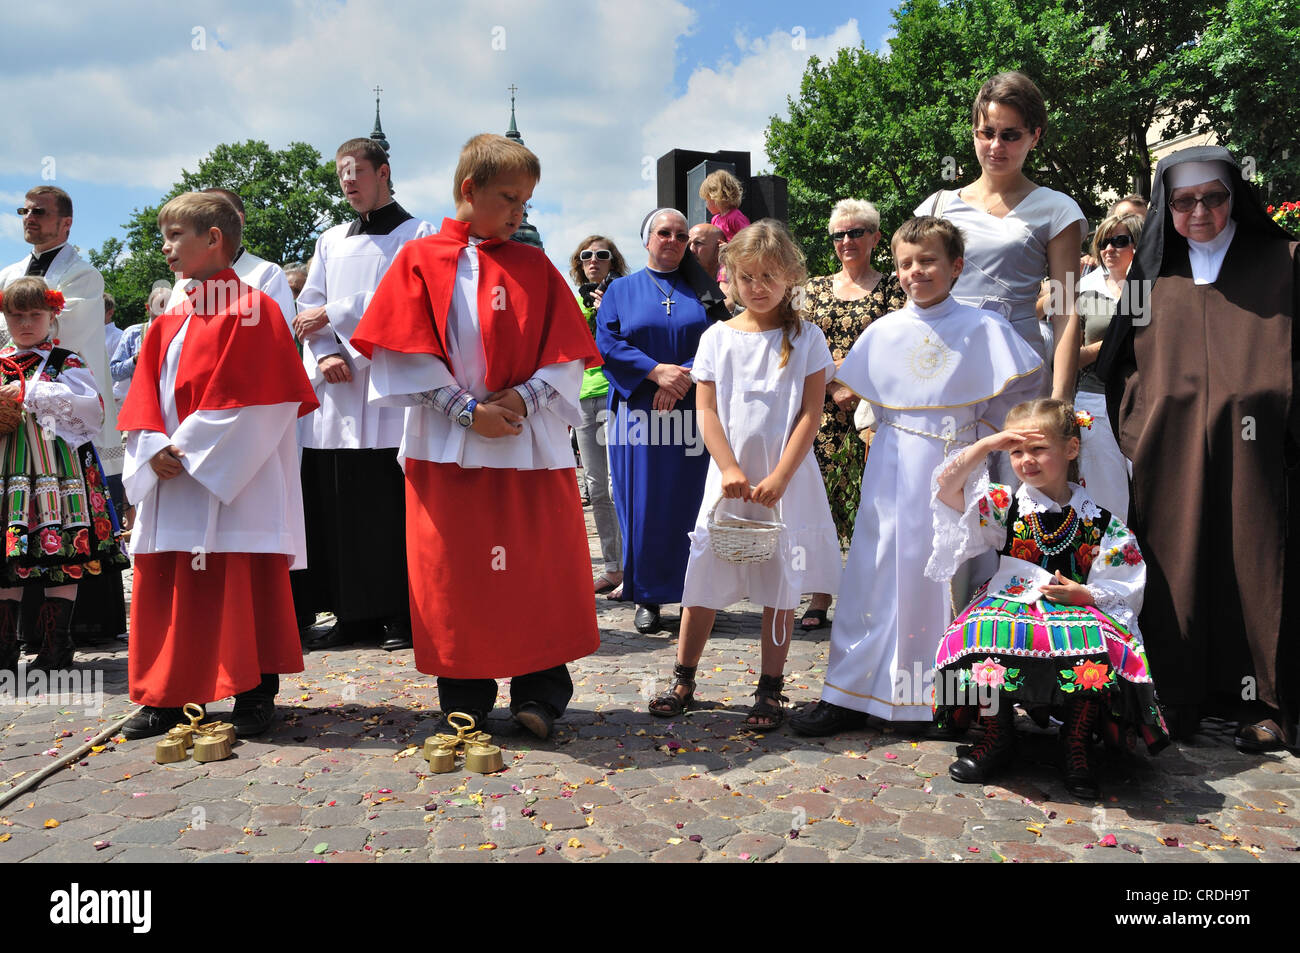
895 128
1249 70
290 196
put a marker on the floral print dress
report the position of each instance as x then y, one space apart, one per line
840 453
59 525
1035 652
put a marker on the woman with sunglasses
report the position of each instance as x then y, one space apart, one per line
647 329
1199 364
842 305
1102 466
592 266
1016 232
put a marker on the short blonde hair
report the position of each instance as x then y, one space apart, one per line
855 210
1112 223
487 156
721 186
202 211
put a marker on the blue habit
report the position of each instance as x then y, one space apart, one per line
657 461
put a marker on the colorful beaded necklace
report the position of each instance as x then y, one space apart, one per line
1055 543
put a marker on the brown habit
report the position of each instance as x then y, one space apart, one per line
1207 417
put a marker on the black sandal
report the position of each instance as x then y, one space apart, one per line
768 703
818 616
669 704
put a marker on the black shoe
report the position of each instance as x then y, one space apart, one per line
255 709
991 753
537 718
150 721
398 634
340 634
827 718
647 618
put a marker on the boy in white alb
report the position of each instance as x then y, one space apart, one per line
933 372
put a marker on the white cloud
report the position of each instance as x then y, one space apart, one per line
137 103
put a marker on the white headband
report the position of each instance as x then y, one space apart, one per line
649 221
1195 173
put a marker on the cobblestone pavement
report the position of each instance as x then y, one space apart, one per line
339 780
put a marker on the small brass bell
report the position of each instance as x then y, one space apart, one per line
219 729
170 751
182 733
441 760
211 748
483 759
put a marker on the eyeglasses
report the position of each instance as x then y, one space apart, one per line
1006 135
668 235
1185 203
852 234
1119 241
38 212
600 254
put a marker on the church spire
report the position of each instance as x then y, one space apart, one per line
513 131
527 232
377 133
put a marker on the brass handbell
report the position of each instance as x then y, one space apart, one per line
212 748
170 750
440 750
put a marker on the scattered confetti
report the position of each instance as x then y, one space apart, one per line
320 848
51 823
1109 841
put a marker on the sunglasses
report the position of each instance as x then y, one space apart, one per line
668 235
600 254
38 212
1186 203
1119 241
1006 135
853 234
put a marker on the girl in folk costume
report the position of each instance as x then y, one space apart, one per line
480 337
1057 623
58 526
761 378
934 373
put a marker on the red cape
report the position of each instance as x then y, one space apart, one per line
237 353
527 315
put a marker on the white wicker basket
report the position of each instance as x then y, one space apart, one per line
739 540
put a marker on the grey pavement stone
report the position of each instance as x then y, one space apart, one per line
614 783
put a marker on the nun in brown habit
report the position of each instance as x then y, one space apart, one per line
1200 370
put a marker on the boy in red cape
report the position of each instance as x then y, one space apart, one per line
483 340
212 468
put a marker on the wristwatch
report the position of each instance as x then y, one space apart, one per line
466 417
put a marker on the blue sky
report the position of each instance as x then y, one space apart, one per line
137 91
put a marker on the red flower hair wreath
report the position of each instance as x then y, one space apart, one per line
53 300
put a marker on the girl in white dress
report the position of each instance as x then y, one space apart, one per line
761 378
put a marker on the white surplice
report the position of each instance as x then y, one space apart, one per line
431 435
239 492
81 330
343 276
936 378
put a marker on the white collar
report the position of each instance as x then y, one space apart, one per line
1031 500
1207 257
940 310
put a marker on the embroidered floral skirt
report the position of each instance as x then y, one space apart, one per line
1043 654
57 516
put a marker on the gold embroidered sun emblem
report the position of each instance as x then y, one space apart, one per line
929 358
